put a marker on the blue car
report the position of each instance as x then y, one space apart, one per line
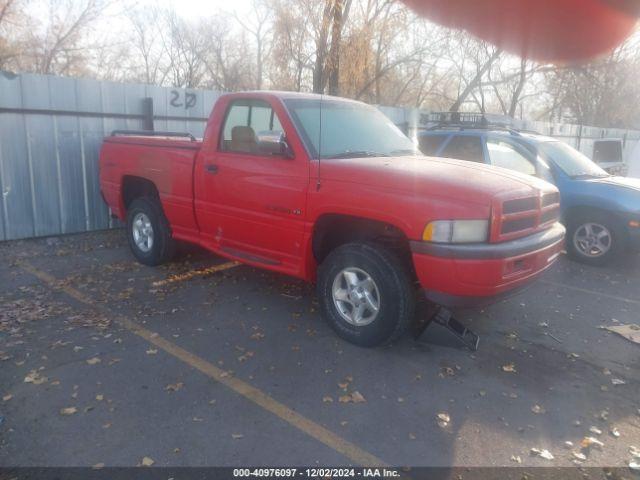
601 212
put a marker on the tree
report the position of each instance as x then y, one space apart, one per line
10 20
603 93
258 26
57 46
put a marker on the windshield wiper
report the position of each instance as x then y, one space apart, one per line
589 175
357 154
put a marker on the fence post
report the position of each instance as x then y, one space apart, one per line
147 111
579 137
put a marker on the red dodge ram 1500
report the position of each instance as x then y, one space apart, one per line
330 191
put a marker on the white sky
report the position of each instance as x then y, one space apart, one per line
194 9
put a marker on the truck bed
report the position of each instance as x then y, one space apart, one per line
167 161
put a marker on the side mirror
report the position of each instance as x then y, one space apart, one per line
274 143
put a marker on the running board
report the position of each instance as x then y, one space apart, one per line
444 318
249 257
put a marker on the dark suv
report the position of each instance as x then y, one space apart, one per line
601 211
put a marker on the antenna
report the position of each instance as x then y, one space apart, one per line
319 147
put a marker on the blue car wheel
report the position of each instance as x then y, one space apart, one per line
592 239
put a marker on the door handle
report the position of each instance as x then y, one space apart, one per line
213 169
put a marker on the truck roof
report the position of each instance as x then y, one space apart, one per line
288 95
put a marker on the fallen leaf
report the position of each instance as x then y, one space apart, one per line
614 431
6 398
543 453
344 385
99 397
447 372
537 409
34 377
356 397
94 361
245 357
174 387
327 399
443 419
587 442
152 351
595 430
147 462
68 411
510 368
237 436
630 332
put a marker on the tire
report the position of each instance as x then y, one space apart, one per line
392 288
161 247
598 228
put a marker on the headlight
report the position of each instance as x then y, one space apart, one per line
457 231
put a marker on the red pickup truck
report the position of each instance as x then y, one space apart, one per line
329 190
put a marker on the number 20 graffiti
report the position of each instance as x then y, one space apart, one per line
189 99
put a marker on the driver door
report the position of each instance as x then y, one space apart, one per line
254 200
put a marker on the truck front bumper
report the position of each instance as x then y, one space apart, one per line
478 274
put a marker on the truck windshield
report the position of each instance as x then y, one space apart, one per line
343 129
571 161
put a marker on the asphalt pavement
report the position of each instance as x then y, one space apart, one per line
203 362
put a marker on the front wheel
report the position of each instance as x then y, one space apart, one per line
593 240
366 294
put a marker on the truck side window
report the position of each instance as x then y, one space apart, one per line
464 147
245 121
430 144
501 154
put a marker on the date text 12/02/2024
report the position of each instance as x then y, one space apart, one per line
316 472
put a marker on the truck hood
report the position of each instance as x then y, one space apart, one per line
443 177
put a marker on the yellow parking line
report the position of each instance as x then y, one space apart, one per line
181 277
251 393
591 292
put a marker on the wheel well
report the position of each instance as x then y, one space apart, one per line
331 231
136 187
588 211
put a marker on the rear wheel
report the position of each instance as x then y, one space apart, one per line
366 294
593 239
148 232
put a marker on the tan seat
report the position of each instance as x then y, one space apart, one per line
243 139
